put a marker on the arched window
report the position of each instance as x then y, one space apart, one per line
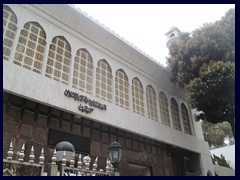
9 30
83 71
185 118
151 103
137 96
172 35
104 81
31 47
175 115
121 89
59 57
164 109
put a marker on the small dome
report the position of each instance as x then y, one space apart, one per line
65 146
86 159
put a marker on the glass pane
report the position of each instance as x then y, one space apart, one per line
115 155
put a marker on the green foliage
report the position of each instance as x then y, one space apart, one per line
204 61
217 134
214 91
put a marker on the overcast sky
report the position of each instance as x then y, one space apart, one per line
145 25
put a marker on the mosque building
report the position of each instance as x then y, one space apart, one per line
68 78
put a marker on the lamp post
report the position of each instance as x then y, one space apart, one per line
115 155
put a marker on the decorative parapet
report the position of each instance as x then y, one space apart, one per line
115 34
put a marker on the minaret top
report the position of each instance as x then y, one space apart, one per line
171 34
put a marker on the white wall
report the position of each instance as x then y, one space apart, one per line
223 171
228 152
21 81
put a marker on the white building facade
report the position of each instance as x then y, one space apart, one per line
65 77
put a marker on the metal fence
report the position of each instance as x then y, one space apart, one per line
19 167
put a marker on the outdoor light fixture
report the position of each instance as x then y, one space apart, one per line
115 154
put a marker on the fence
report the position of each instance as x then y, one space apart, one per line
20 167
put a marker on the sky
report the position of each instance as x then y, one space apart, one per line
145 25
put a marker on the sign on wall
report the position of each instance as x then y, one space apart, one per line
86 100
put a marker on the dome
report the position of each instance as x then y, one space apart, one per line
65 146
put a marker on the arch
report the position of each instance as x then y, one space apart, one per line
104 80
121 89
83 71
151 103
186 120
31 47
9 30
59 58
175 114
172 35
137 96
104 64
85 52
164 112
122 74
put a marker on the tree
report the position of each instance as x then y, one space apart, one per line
217 135
204 62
